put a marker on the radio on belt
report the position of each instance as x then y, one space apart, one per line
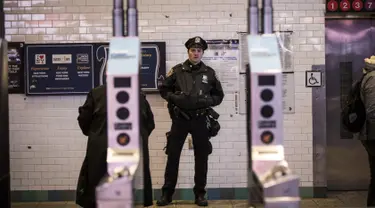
279 185
123 157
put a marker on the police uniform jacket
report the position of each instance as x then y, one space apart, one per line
192 87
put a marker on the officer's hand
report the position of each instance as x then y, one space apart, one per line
205 101
179 99
174 98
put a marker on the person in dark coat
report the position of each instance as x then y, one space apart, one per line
148 125
92 120
367 134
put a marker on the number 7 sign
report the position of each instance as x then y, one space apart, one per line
370 5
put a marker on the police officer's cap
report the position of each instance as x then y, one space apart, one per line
196 42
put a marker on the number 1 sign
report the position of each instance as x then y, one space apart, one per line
332 6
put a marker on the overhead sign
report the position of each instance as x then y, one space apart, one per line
357 6
152 71
53 69
313 79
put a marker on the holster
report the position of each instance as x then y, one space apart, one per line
213 113
209 148
213 123
177 112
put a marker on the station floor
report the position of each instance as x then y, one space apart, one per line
335 199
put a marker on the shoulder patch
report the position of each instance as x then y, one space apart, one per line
217 78
210 68
170 72
213 71
142 93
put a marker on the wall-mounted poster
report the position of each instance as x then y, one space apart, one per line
153 68
55 69
16 77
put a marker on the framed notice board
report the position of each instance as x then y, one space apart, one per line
152 71
76 68
56 69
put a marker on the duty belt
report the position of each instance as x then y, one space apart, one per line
197 113
189 114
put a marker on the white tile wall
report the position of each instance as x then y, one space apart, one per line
47 146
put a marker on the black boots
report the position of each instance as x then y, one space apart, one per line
201 201
164 200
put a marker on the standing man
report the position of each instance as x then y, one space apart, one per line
367 134
190 89
92 120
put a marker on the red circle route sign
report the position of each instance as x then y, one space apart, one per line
357 5
345 5
332 6
370 5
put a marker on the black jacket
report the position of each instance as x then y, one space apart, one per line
368 99
92 120
192 87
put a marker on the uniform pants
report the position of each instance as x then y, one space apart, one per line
370 148
197 127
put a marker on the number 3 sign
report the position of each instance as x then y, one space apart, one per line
357 5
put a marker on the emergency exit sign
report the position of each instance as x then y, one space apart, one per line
354 6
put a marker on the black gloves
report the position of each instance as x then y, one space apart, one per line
173 97
181 100
205 101
187 102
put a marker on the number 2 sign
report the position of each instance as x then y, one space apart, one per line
345 5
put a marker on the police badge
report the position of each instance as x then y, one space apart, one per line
204 79
197 40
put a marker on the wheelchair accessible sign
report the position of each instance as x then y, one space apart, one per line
313 79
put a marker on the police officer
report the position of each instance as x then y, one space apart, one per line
190 89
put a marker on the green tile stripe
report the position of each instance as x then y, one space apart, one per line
180 194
